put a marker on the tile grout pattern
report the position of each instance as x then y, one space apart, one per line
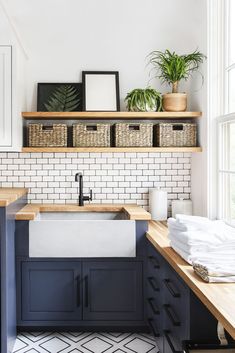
113 177
84 342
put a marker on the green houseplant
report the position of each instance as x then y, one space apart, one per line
171 68
144 100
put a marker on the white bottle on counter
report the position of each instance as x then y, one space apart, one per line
182 206
158 204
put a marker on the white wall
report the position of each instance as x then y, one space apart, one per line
64 37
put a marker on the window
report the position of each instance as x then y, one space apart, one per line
226 123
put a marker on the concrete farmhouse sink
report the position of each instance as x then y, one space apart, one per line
82 234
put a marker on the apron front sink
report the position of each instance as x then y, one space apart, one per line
82 234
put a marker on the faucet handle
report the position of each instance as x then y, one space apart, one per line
91 195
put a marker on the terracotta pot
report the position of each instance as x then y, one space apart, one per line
174 102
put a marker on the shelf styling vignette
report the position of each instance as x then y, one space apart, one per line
112 116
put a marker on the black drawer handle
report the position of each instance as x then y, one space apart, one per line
86 291
166 333
153 306
169 286
154 262
153 284
171 314
153 328
78 291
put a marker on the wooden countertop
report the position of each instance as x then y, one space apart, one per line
134 212
219 298
9 195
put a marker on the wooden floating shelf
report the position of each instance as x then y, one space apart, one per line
111 149
109 115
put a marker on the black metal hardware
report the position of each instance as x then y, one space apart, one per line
86 292
171 289
82 198
153 283
153 329
78 291
171 314
166 333
152 305
154 262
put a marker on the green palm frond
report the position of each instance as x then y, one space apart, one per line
171 67
64 98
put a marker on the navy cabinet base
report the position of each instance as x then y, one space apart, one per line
80 294
175 313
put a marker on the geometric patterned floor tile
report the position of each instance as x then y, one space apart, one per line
84 342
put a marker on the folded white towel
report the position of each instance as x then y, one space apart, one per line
212 279
208 227
202 246
205 258
216 270
194 237
181 252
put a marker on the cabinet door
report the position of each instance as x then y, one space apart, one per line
5 96
113 290
51 291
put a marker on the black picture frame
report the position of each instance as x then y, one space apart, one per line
114 100
45 89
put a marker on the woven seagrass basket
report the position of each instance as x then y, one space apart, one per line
133 135
91 135
54 135
176 135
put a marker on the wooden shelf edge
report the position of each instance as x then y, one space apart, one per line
109 115
111 149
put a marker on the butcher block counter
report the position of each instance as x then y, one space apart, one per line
219 298
133 212
9 195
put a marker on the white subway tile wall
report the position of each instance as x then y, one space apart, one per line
113 177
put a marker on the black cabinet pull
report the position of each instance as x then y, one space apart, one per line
172 316
86 291
169 286
153 329
78 291
153 284
153 306
154 262
166 333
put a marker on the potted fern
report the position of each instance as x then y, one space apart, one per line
172 68
144 100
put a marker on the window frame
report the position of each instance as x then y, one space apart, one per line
218 105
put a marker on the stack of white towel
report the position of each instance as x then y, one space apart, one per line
208 245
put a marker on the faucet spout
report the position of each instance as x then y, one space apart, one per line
82 198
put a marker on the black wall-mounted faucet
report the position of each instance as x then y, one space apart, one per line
82 198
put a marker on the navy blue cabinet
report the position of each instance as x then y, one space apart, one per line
80 293
174 312
113 291
8 275
51 291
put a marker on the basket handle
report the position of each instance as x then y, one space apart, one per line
134 127
91 127
178 127
47 127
